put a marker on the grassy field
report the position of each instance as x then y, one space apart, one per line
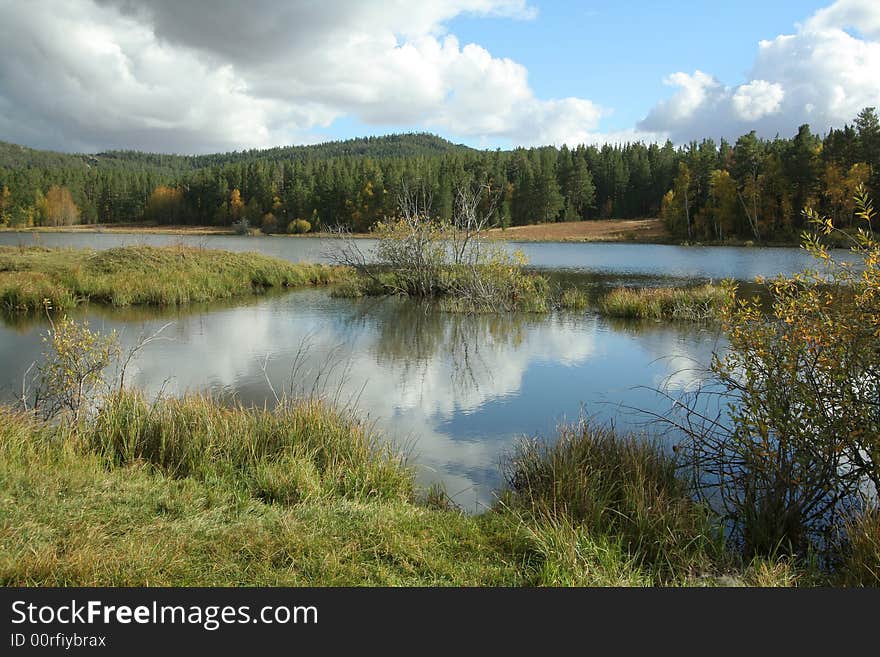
599 230
141 275
141 227
191 493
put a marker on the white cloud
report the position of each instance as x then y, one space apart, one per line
822 75
202 76
197 76
862 15
757 99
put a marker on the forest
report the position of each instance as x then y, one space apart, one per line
753 189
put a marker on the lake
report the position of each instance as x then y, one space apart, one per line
455 391
715 262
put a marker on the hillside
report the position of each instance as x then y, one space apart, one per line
696 189
14 156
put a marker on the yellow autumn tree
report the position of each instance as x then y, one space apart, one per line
165 205
4 205
57 207
840 189
236 205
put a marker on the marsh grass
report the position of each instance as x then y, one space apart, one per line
602 494
298 497
861 562
688 303
142 275
190 492
573 298
299 449
501 289
377 284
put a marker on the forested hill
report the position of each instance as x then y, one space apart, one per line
402 145
752 188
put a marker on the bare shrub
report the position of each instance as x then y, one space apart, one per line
420 255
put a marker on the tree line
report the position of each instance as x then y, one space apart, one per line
751 189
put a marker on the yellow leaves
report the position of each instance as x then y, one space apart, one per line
864 205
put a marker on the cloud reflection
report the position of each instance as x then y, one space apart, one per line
457 390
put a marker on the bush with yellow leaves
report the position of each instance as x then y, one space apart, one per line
72 368
797 452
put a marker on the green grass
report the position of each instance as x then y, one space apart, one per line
500 289
142 275
687 303
126 500
594 489
301 449
356 287
573 298
189 492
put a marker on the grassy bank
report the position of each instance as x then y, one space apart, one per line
192 493
141 275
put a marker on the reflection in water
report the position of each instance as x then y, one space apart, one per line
458 390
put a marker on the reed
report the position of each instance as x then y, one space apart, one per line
690 304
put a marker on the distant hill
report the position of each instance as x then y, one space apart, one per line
698 189
408 145
13 156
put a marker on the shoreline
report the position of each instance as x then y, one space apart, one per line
495 234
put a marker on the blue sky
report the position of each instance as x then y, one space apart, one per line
198 76
618 53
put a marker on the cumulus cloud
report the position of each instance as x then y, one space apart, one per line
199 76
756 99
823 74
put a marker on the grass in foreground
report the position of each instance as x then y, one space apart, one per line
593 486
188 492
689 303
141 275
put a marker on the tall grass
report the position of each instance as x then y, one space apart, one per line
299 497
189 492
861 563
301 448
573 298
602 494
134 275
692 303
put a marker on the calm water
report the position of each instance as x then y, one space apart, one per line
627 259
456 391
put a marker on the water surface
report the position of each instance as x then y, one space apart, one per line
456 391
715 262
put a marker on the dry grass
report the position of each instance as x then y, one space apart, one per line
599 230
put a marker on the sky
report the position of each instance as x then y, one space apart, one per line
216 75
